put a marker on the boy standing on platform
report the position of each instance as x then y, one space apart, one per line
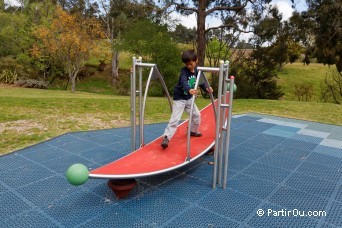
183 92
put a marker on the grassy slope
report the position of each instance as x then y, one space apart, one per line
294 73
29 116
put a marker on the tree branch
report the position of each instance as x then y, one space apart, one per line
228 8
227 26
178 6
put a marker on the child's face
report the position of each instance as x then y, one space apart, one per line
191 65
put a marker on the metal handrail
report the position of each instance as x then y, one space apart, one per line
153 69
199 75
137 63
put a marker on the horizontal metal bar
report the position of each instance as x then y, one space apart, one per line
145 64
209 69
225 105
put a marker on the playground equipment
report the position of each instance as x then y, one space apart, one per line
151 159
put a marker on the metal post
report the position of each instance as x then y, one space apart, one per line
217 129
223 111
231 93
133 108
188 157
141 120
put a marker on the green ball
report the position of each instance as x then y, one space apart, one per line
77 174
234 87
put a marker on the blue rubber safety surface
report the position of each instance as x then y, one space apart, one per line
282 173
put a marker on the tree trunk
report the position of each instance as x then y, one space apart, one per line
115 67
73 83
72 76
201 39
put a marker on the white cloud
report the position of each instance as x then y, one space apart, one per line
12 2
212 22
187 21
284 8
191 20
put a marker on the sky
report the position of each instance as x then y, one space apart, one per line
284 7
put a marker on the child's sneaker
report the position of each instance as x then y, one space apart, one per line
165 142
196 134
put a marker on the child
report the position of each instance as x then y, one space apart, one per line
183 92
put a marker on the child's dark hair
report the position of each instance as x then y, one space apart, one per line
189 55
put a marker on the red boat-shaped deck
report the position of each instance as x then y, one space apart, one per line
153 159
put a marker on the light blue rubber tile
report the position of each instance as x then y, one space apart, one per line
284 122
320 127
278 132
336 134
313 133
307 138
327 150
332 143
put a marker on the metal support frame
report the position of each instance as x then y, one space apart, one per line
222 118
138 66
223 122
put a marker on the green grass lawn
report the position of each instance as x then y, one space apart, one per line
295 73
29 116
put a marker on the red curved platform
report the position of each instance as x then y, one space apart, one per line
153 159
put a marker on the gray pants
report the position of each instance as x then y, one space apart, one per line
178 108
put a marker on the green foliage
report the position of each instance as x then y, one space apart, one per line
14 34
181 34
279 37
217 50
8 76
154 44
303 91
319 29
256 76
123 86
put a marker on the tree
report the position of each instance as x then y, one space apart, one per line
182 34
257 76
68 40
116 17
328 32
321 33
257 72
153 43
12 33
232 13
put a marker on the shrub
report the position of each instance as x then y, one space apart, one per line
8 76
303 91
32 83
331 88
